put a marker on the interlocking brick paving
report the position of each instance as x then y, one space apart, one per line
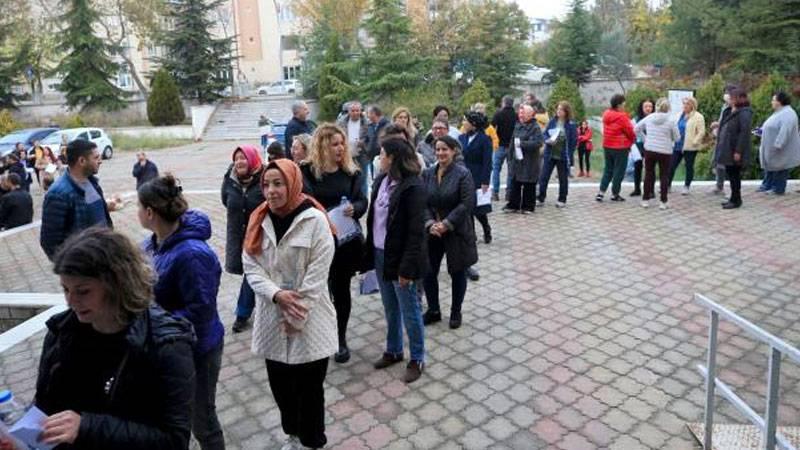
582 332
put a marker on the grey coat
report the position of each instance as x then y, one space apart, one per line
780 141
734 137
531 140
452 202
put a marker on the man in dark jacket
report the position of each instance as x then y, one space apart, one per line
377 122
75 201
18 167
523 162
503 121
16 206
144 170
299 124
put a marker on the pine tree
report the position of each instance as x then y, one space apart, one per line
566 90
390 66
768 36
709 98
86 69
7 73
333 81
164 105
197 61
573 47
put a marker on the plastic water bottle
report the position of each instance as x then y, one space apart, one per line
344 201
10 409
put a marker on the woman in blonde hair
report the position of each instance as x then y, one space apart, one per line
660 134
333 178
402 116
692 127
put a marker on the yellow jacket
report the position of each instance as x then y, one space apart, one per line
695 132
492 133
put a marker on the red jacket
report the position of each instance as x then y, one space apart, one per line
617 130
586 138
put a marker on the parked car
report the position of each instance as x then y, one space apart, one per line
283 87
26 136
96 135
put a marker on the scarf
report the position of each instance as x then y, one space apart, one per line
252 155
295 197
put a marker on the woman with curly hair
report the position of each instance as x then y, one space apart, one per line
333 178
402 116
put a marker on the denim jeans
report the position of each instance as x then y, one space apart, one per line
498 158
563 178
246 302
775 181
458 285
401 306
689 157
205 425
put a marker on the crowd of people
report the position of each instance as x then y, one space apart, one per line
135 360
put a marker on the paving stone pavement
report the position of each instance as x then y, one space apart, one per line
581 333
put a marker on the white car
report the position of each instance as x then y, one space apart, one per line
96 135
283 87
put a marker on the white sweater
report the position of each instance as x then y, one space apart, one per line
660 133
301 260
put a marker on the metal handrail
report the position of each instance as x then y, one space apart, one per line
778 348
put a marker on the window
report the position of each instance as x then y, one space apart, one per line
291 72
285 13
84 136
124 77
94 133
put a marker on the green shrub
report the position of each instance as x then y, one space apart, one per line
7 122
477 93
421 101
636 95
702 165
567 90
709 98
164 105
72 121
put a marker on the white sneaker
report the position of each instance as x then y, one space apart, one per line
561 205
663 206
292 443
685 190
645 204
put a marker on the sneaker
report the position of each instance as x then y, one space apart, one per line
431 317
343 355
473 274
509 210
240 325
588 174
635 193
387 359
413 371
495 197
581 174
539 203
663 206
561 205
292 443
685 191
645 204
617 198
599 196
762 189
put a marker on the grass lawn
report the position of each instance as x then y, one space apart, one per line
124 143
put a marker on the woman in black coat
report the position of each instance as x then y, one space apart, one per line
396 249
241 194
115 372
332 177
451 198
735 144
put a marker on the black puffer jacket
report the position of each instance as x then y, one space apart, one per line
452 202
240 201
148 402
405 248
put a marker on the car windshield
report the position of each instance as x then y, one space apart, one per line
55 138
13 138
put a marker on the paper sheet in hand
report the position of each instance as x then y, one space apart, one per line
518 149
553 135
346 227
483 198
28 428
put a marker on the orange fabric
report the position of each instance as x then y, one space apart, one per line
295 197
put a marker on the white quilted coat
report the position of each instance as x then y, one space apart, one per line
300 262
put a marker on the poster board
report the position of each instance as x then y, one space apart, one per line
675 97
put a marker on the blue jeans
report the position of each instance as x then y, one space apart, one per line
246 302
401 305
498 158
563 182
366 172
775 181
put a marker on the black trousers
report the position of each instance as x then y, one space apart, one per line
300 395
522 196
342 270
735 178
637 169
205 424
483 219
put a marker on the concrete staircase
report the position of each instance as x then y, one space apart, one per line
238 119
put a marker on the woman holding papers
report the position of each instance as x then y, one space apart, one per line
288 250
450 232
333 178
477 151
116 371
560 138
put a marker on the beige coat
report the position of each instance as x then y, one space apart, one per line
300 262
695 132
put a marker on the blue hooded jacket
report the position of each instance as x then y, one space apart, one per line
188 278
571 135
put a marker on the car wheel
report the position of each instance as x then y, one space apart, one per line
108 152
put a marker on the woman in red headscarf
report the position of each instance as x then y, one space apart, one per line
287 255
241 194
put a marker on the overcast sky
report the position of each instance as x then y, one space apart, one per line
545 9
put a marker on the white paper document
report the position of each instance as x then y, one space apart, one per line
518 149
483 198
346 227
553 135
26 431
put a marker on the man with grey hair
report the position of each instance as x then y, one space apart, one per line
503 121
377 122
354 125
299 124
524 162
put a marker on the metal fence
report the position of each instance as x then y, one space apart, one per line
777 349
